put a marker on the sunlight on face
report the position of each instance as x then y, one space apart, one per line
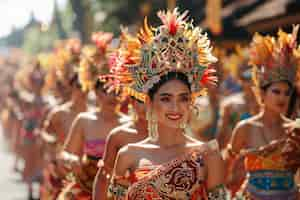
171 103
277 97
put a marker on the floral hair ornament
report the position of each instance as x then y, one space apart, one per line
238 63
176 45
275 59
94 59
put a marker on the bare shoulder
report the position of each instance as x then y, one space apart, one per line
124 129
121 135
244 125
86 116
55 113
242 133
126 156
62 109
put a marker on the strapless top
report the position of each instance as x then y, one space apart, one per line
94 148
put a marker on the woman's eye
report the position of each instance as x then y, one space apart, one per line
275 91
184 99
165 99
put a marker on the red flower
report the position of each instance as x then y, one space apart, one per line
208 77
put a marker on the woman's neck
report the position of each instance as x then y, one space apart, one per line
108 111
271 118
169 137
78 105
141 126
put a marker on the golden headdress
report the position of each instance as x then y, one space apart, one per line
93 60
275 59
66 56
238 63
176 45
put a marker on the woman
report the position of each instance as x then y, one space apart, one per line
58 122
239 106
168 164
275 62
32 115
85 144
132 128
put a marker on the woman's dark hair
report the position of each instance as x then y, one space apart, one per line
293 99
99 85
74 81
292 103
167 77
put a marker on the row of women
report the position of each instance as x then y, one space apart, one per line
158 125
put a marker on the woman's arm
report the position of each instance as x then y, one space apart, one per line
74 142
215 176
223 130
121 173
106 166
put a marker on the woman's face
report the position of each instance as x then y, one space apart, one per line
77 91
171 103
277 97
106 99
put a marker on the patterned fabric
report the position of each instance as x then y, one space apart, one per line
268 179
30 122
89 171
94 148
73 191
273 161
218 193
52 184
80 186
182 178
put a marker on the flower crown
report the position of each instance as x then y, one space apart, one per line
237 63
93 60
275 59
176 45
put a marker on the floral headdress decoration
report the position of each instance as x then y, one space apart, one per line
238 63
94 60
176 45
275 59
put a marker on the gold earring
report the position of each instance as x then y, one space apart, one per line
152 125
132 112
188 130
182 125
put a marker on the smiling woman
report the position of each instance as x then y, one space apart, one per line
166 68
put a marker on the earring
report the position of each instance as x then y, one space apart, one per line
188 130
182 125
152 125
132 112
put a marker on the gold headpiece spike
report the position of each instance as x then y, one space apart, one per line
145 35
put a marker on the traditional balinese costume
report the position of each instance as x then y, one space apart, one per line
64 59
93 62
269 172
175 46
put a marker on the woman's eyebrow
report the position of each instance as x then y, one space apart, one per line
165 94
184 94
169 94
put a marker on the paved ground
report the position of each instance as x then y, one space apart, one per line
11 187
